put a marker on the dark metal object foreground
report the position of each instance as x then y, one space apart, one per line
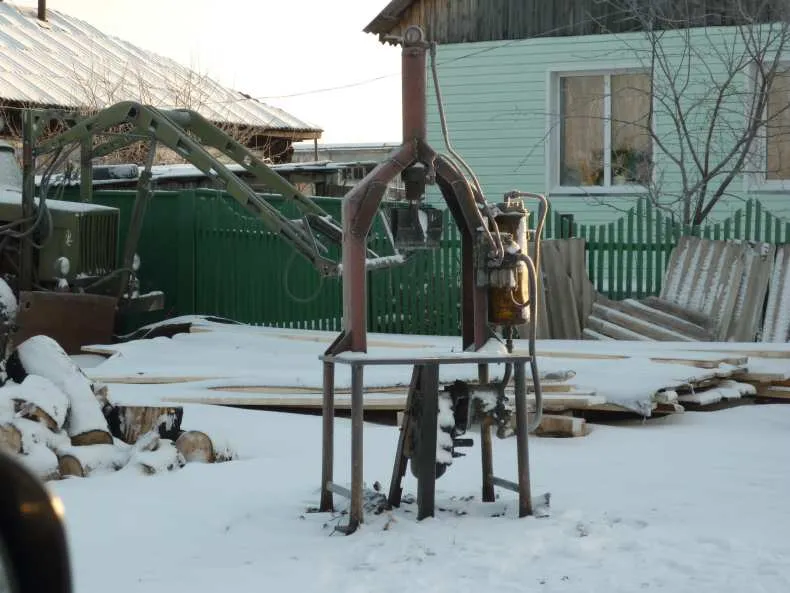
425 379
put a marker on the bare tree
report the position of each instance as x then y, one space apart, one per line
100 86
716 110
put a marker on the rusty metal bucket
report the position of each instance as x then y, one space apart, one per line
73 320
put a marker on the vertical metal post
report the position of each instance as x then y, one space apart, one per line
486 446
28 202
426 480
522 444
328 438
356 514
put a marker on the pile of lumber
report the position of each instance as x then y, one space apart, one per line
715 291
60 423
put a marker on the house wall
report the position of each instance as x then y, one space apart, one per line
501 111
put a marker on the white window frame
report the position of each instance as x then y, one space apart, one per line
757 181
554 131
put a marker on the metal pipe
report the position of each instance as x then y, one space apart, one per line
328 437
428 429
356 513
413 86
42 10
522 441
359 208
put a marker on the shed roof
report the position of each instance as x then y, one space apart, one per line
65 62
389 17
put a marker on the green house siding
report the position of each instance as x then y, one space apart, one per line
500 107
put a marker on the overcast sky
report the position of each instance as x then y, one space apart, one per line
271 49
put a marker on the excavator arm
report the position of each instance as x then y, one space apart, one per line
189 134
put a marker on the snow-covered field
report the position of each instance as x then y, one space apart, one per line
694 502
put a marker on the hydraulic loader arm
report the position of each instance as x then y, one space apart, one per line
185 132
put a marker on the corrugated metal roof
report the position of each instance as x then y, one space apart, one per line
66 62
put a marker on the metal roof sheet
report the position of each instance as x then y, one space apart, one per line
66 62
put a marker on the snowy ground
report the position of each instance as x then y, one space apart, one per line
694 502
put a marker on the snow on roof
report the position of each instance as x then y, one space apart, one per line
59 61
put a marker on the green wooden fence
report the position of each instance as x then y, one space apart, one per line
211 257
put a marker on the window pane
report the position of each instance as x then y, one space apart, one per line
777 128
582 130
631 145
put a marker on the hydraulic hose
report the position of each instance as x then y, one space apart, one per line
533 363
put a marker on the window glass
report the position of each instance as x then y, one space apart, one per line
582 130
777 129
630 142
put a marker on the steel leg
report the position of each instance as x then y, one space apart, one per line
522 438
328 446
356 514
486 446
426 481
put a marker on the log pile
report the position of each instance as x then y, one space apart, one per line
61 424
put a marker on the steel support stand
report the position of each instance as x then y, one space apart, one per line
328 438
356 514
486 446
426 481
522 440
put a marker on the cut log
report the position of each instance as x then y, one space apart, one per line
86 460
42 356
10 438
70 466
91 437
38 399
41 461
129 423
166 457
196 446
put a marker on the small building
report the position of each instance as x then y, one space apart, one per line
600 104
51 60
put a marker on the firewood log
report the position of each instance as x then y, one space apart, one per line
85 460
196 446
42 461
39 399
10 438
166 457
42 356
129 423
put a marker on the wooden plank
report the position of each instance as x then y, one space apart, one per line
562 426
774 392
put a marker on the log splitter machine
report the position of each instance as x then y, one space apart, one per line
499 295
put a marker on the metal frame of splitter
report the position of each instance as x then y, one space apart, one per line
419 164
